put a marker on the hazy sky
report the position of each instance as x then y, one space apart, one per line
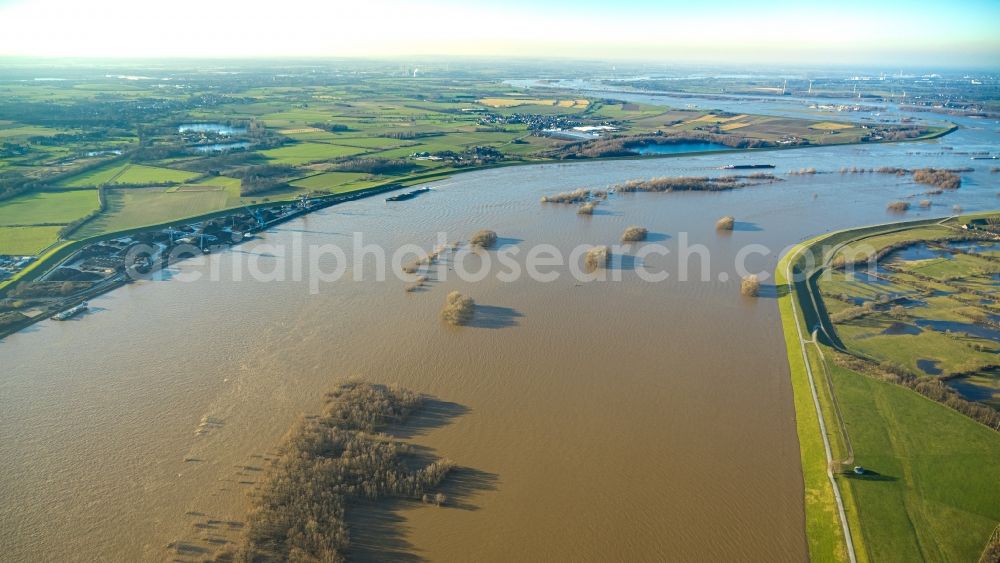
957 32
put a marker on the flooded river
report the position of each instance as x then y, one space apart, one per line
619 420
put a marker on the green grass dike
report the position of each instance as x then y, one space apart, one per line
931 487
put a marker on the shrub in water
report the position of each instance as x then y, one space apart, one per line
726 223
457 309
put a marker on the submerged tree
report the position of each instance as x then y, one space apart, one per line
484 239
576 196
726 223
458 309
750 286
597 257
634 234
944 179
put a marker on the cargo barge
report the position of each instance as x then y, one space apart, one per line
746 166
70 313
407 195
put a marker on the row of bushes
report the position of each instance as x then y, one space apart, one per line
378 166
408 135
102 199
580 195
693 183
258 179
942 179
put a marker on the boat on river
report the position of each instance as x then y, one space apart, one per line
71 312
407 195
746 166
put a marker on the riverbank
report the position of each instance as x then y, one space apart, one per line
712 443
824 523
57 253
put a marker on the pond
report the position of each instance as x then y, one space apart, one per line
898 328
981 387
930 367
918 252
680 148
980 331
867 277
973 246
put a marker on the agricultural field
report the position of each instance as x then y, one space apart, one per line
303 153
765 128
124 173
95 177
48 208
933 486
12 132
26 240
830 126
141 174
368 143
334 182
513 102
276 137
135 207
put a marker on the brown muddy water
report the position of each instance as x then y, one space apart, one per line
592 421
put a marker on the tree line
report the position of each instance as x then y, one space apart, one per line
299 510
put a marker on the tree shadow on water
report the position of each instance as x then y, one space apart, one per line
434 413
598 211
623 262
494 316
746 226
378 529
771 291
507 241
379 532
464 483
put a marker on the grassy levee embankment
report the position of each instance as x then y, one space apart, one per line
931 491
824 532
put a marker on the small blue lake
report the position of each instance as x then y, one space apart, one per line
918 252
973 245
971 391
680 148
898 328
930 367
867 277
980 331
